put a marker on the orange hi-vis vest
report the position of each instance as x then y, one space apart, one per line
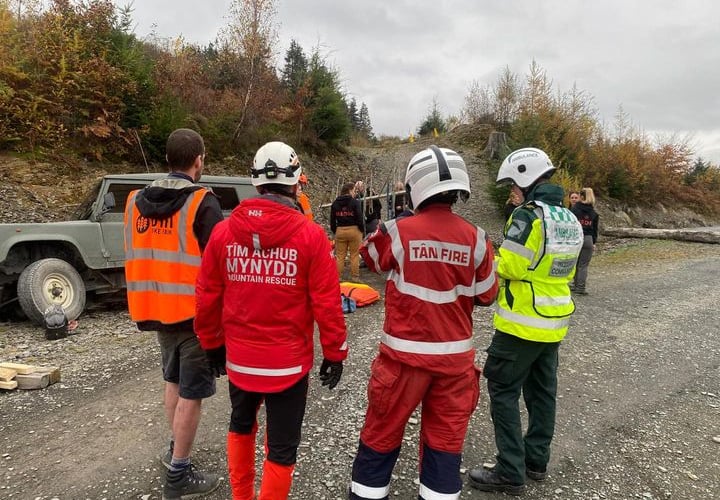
304 202
162 261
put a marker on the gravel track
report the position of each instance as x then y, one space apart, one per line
638 411
639 406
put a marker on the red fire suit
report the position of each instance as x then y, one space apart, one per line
440 266
267 275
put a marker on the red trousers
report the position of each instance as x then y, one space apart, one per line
394 392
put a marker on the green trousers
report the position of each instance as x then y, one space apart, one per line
515 365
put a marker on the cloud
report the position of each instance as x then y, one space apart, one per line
656 59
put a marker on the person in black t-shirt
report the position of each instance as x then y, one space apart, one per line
346 222
587 216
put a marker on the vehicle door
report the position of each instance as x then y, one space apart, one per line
111 222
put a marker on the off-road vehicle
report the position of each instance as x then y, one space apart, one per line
42 264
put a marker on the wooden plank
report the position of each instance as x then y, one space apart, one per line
52 371
7 374
8 385
33 381
40 379
19 367
372 197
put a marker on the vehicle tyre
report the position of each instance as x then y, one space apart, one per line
47 282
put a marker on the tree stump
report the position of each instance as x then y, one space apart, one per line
497 147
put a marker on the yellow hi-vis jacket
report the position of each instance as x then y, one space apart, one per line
162 261
534 302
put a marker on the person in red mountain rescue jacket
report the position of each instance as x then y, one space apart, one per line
267 276
440 266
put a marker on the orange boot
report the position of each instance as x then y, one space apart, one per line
241 465
276 481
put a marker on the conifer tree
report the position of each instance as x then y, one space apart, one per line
353 115
295 70
433 121
364 124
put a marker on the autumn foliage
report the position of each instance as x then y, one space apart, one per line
75 78
623 163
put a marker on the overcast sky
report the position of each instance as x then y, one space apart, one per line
658 59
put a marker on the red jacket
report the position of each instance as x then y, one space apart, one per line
267 275
440 266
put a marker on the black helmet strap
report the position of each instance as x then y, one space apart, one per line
271 170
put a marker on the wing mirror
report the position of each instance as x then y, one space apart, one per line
108 204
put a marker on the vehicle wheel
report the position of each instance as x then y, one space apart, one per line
47 282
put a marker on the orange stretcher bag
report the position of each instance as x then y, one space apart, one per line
361 293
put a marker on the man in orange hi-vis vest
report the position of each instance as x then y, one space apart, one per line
167 225
303 199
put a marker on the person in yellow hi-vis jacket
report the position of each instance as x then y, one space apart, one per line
536 261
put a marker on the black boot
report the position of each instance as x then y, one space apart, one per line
536 473
489 480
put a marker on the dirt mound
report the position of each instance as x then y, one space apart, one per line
46 191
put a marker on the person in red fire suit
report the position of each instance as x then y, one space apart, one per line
266 277
440 266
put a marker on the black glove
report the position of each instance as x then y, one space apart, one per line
330 373
216 360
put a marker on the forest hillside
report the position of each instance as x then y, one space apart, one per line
35 191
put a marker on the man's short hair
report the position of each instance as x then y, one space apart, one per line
281 189
445 198
182 148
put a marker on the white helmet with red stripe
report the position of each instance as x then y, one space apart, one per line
436 170
276 163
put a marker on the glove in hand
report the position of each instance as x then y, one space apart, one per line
216 360
330 373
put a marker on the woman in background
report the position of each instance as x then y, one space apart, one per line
584 210
574 198
346 222
372 209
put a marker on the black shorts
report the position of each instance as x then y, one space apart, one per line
184 363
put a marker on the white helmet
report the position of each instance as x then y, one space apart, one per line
435 170
524 166
276 163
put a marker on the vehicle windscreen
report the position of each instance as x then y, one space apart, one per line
84 209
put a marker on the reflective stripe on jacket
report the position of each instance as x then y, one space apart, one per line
162 260
538 306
